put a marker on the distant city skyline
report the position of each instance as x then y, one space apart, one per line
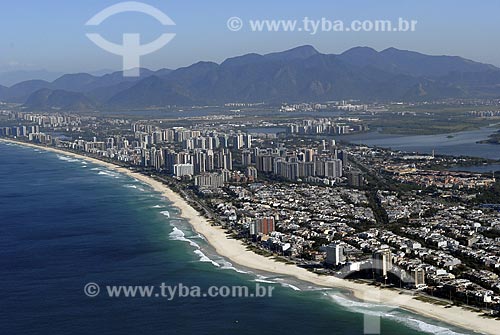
51 35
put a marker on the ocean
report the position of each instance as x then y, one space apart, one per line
65 223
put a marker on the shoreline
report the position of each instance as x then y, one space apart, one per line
236 251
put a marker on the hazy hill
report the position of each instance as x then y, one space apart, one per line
298 74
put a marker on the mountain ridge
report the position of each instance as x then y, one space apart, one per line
298 74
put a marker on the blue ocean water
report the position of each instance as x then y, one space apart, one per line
65 222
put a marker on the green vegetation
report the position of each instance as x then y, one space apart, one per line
493 138
426 120
259 251
489 196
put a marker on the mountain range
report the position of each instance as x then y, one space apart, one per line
9 77
298 74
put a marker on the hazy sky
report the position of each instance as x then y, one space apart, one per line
50 34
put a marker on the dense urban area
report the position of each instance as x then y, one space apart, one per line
292 189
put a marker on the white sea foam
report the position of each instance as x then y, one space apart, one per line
166 213
201 237
157 206
95 169
316 288
427 327
134 187
173 222
293 287
359 306
204 258
108 173
68 159
229 266
264 281
178 235
392 313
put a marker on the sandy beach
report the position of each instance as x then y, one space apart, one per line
236 252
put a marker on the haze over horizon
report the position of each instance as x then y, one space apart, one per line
202 34
12 77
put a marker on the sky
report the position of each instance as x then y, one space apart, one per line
51 34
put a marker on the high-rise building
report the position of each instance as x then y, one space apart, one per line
224 160
203 161
171 158
209 180
239 141
252 173
110 143
343 156
247 141
382 262
309 169
246 158
181 170
335 254
417 277
224 141
333 168
263 225
157 159
309 155
355 178
264 163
